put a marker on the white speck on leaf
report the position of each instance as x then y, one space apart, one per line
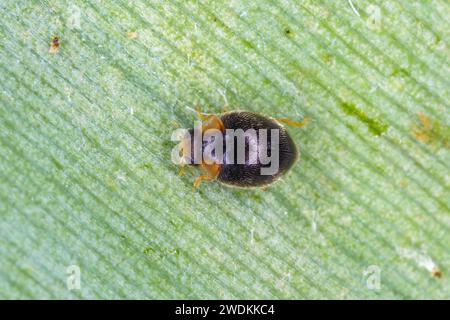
121 177
420 257
353 8
314 226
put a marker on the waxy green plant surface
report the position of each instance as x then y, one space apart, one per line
87 186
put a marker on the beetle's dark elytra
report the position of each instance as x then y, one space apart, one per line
249 175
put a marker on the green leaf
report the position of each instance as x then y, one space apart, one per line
88 186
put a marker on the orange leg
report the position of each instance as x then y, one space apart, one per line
211 170
181 172
198 180
296 124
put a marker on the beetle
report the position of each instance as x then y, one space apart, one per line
224 166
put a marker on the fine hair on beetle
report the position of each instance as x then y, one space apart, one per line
236 146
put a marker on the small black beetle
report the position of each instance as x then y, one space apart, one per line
247 173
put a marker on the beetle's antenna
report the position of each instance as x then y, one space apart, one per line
203 116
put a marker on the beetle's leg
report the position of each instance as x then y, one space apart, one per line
198 180
175 124
211 170
293 123
181 172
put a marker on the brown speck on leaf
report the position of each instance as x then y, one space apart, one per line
403 183
436 273
54 45
132 35
431 132
422 131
